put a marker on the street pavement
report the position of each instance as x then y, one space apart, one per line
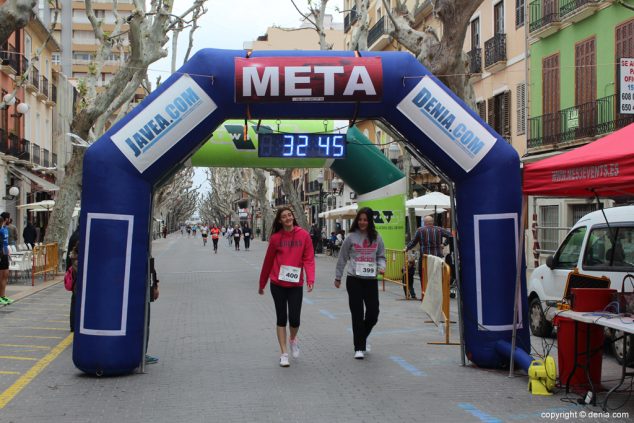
219 358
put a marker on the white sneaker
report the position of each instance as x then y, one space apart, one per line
358 355
294 348
284 360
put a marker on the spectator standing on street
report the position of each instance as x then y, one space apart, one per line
154 294
4 258
289 260
13 233
29 234
430 239
364 249
314 236
72 258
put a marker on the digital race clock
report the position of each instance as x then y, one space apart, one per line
328 146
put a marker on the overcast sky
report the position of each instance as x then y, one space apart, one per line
228 24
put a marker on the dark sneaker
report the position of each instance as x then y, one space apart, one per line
150 359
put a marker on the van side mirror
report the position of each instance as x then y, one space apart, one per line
550 262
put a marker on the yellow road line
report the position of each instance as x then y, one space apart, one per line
2 372
32 373
43 347
43 328
39 336
12 357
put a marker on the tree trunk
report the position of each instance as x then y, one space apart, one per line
14 15
65 201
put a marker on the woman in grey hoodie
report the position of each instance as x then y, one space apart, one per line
364 250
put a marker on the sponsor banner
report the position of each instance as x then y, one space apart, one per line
312 79
626 94
447 124
161 125
389 219
228 148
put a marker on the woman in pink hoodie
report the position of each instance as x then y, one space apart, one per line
289 260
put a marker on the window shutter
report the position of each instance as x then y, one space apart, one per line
507 115
521 108
491 112
482 110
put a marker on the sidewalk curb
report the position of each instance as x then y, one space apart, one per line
35 289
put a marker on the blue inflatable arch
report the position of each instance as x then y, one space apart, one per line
122 167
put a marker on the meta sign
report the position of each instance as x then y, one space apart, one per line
312 79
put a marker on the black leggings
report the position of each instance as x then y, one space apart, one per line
247 242
215 241
290 298
362 291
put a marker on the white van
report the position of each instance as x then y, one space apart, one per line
595 248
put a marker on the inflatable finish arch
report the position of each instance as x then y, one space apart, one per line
121 168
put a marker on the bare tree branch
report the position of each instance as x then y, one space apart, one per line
15 14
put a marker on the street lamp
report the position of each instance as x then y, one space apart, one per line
13 192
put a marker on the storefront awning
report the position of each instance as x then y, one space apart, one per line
46 185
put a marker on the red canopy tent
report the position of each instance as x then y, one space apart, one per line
605 166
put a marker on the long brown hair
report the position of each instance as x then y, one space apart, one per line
369 214
277 222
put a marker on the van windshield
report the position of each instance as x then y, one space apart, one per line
568 254
610 252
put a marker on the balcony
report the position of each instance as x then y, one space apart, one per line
576 10
544 18
11 146
378 35
475 61
42 95
9 59
52 99
424 8
582 122
495 53
35 159
25 150
350 19
33 82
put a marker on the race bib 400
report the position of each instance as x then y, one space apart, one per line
289 274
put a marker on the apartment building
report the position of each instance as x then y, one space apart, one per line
496 46
79 45
28 152
575 47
